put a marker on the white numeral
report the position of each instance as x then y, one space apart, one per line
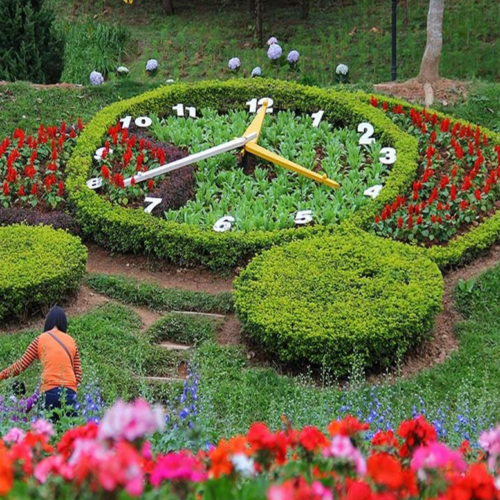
143 121
223 224
181 110
252 104
317 117
126 121
366 139
153 202
99 152
389 156
373 192
303 217
94 183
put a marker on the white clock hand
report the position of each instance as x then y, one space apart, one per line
189 160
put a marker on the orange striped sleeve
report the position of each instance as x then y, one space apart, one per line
77 367
19 366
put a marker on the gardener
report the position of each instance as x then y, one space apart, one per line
60 359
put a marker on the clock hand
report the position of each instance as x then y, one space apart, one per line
256 125
194 158
261 152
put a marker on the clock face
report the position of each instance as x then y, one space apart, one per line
186 166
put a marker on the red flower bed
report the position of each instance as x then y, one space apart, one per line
457 185
114 460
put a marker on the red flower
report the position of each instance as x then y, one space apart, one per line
349 426
80 124
385 106
477 484
433 137
151 184
132 182
373 101
419 220
400 222
386 470
463 205
385 438
477 194
60 190
467 183
105 171
416 432
33 190
5 188
377 219
486 189
312 439
454 171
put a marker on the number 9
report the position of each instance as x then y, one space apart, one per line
223 224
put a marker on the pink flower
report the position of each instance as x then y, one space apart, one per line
43 427
436 456
179 466
15 435
298 488
53 465
343 448
490 442
131 421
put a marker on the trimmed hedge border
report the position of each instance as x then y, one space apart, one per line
332 299
128 230
39 266
459 250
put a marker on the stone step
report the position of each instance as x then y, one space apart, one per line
195 313
172 346
165 380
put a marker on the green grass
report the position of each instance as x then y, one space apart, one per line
157 298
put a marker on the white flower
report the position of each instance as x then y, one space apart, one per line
293 57
234 63
152 65
243 465
123 70
342 69
96 78
272 41
274 52
170 80
257 71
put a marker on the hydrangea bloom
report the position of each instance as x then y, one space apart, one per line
234 63
257 71
123 70
274 52
273 40
342 69
293 57
96 78
152 65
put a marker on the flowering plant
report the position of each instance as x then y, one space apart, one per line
122 71
342 73
152 67
96 78
234 64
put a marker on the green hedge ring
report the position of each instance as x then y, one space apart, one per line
330 299
132 230
39 266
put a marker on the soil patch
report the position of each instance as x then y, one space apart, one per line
446 91
146 268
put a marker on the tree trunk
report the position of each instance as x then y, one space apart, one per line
168 7
258 22
304 14
429 67
406 13
251 7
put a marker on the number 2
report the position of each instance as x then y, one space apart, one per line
366 139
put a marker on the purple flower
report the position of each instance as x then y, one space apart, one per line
234 63
293 57
273 40
274 52
96 78
152 65
257 71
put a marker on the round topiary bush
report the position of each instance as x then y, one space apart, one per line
332 299
39 266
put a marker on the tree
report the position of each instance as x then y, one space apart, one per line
30 47
168 7
429 67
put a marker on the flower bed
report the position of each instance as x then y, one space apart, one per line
126 230
39 266
332 299
114 459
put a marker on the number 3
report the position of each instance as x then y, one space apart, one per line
388 156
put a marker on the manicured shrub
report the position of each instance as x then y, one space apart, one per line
39 266
184 329
58 220
334 299
141 293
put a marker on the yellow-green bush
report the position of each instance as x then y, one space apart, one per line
128 230
330 299
39 266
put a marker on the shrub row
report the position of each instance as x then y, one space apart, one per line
155 297
461 249
332 299
134 231
184 329
58 220
39 266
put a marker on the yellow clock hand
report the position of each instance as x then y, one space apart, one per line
255 149
256 125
